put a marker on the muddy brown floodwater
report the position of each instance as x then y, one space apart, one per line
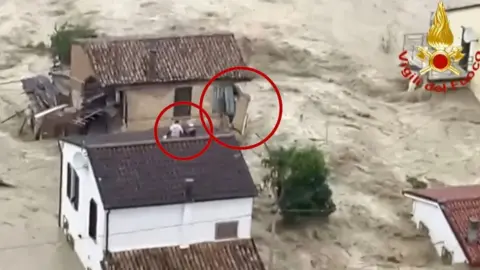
335 64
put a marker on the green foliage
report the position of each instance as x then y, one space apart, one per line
63 37
300 175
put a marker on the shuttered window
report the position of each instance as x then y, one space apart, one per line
226 230
73 186
218 100
69 180
92 220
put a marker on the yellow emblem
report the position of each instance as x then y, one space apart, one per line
440 37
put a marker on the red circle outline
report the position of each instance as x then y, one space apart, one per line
280 107
157 121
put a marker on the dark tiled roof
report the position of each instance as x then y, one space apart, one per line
446 193
131 171
130 61
459 204
457 214
226 255
138 137
462 7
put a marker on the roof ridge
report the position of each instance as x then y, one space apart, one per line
153 141
150 37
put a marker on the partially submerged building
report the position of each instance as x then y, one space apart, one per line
450 217
121 84
125 205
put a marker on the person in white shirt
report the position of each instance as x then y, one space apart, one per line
176 130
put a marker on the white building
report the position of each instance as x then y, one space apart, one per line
465 27
122 201
451 218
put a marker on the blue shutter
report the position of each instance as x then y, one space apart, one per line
218 103
229 101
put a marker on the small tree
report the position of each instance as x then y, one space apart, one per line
300 178
63 37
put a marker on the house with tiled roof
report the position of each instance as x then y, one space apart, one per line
451 218
125 205
122 83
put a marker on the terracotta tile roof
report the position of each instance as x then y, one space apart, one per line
446 193
226 255
142 60
132 172
459 204
457 214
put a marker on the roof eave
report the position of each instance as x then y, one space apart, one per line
419 197
115 85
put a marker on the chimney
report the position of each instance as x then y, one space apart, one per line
188 189
473 226
151 71
186 214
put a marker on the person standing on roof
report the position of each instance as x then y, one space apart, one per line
176 130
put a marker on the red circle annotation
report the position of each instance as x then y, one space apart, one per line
280 107
209 131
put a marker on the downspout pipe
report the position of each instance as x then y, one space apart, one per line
106 252
60 147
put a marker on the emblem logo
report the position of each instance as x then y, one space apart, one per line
440 38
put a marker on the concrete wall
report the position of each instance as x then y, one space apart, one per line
146 102
173 225
80 69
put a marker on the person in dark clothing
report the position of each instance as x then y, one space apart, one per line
191 130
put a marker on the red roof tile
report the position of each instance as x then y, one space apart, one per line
445 194
226 255
128 61
457 214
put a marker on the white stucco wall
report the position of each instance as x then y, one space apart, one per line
171 225
89 252
440 233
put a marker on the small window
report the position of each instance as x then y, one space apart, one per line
182 94
69 180
73 182
226 230
92 220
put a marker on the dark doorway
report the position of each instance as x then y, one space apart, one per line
466 51
182 94
92 220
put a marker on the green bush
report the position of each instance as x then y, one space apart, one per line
63 37
300 176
